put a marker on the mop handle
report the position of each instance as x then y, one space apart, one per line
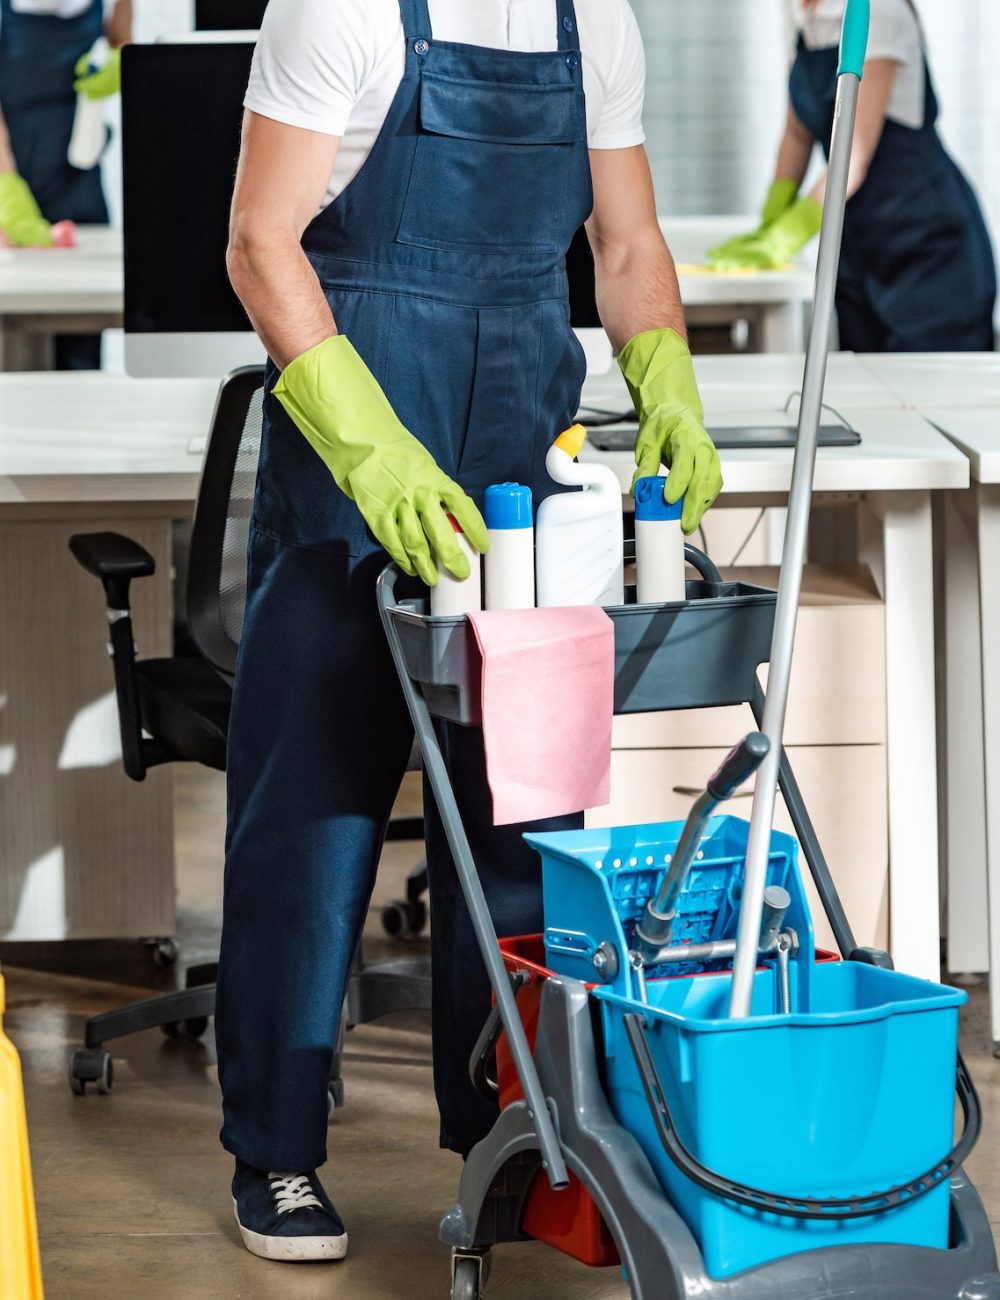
852 58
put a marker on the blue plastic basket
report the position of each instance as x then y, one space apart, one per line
597 883
851 1093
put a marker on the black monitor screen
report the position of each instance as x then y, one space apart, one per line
228 15
182 106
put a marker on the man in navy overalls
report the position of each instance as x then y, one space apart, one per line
42 43
421 349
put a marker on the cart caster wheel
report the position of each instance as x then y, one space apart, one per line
469 1275
164 953
91 1065
334 1097
400 918
186 1031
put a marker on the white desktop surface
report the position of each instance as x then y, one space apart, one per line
89 278
690 238
976 431
940 380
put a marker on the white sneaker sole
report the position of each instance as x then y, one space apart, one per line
291 1250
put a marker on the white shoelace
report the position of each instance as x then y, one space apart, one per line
292 1192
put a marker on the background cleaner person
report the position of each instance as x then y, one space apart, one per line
917 273
43 51
420 345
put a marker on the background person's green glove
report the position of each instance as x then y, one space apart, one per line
393 479
20 219
780 198
778 243
100 82
659 372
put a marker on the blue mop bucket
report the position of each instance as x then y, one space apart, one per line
785 1133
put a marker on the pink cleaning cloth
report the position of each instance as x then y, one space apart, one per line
548 703
63 236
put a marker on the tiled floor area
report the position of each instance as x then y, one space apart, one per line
132 1189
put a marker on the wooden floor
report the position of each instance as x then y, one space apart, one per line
132 1189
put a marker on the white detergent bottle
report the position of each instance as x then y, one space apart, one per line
510 561
659 545
579 535
454 596
90 134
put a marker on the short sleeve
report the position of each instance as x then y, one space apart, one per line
311 63
618 125
894 32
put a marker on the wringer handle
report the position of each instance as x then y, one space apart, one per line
738 766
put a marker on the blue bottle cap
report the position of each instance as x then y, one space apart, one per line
650 506
508 505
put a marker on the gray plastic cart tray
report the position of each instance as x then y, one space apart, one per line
701 653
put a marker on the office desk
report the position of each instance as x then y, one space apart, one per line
84 852
971 559
941 381
891 476
774 302
44 292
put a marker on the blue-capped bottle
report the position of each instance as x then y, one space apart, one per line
659 545
510 561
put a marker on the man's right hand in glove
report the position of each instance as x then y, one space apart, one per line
20 219
337 403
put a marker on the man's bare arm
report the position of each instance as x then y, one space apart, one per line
283 173
637 286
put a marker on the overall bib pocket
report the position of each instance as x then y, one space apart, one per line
462 198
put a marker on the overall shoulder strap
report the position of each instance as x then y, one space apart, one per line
416 17
569 35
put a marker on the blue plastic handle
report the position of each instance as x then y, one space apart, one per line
854 38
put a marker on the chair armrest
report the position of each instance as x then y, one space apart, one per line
115 559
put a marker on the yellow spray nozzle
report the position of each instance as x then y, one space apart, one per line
571 442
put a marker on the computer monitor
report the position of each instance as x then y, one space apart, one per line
181 116
228 15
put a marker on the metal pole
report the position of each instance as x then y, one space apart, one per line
482 922
796 537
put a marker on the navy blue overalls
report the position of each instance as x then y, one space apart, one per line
38 53
444 263
917 272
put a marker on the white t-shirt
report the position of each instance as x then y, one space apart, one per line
335 65
894 34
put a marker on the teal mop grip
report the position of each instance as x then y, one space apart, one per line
854 38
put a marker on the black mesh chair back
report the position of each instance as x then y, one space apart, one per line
217 575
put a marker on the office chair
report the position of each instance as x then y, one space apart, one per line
177 710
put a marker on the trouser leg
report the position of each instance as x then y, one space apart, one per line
318 746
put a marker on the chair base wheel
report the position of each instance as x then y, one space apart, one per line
91 1065
186 1031
335 1097
401 918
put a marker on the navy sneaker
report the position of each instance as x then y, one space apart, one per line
286 1216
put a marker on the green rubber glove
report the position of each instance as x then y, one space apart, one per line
775 245
659 372
104 81
338 405
20 219
780 197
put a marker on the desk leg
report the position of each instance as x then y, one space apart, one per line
988 500
964 775
782 327
896 541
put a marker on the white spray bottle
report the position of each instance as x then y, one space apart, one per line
90 134
579 535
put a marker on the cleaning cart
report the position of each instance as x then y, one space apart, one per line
684 1086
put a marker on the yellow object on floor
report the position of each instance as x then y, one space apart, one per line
20 1270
